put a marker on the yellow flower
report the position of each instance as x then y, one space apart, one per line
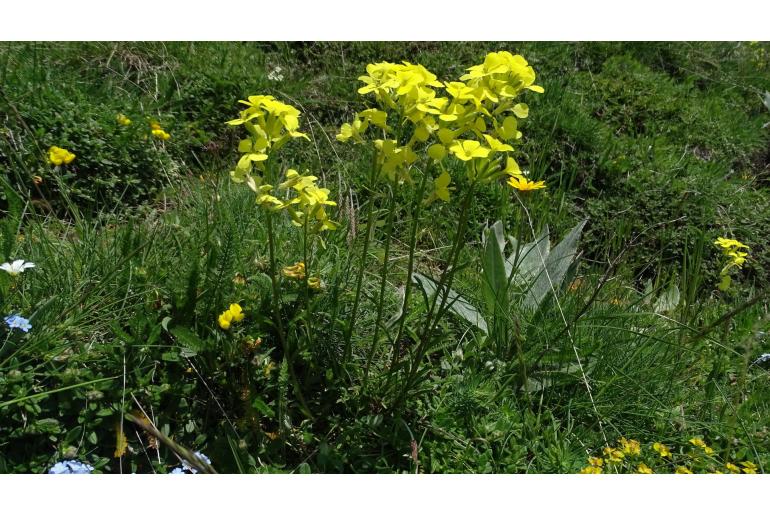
468 149
496 145
441 187
315 283
748 467
59 156
231 315
296 271
161 134
662 449
644 469
682 470
595 461
630 447
225 319
268 201
523 184
614 455
237 312
729 244
732 468
591 470
437 151
123 119
697 442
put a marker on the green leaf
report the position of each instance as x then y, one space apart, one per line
550 277
494 286
190 341
260 405
668 301
458 305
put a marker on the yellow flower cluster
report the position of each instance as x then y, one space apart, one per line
158 132
58 156
123 119
297 273
306 206
230 316
270 124
731 249
627 458
475 120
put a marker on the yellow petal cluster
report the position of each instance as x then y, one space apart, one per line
59 156
473 120
736 258
270 124
230 316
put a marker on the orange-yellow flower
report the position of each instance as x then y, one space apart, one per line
524 184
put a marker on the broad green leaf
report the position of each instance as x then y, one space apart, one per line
457 304
550 277
668 300
494 286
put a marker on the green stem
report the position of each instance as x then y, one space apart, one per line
279 319
383 283
418 202
443 288
348 349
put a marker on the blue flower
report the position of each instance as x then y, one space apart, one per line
18 322
764 359
70 467
186 468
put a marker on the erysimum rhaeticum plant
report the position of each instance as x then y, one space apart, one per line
420 129
271 124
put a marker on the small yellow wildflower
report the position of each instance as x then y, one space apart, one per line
697 442
729 244
595 462
614 455
296 271
161 134
630 447
315 283
59 156
468 149
591 470
682 470
732 468
662 449
524 184
441 188
644 469
748 467
123 119
233 314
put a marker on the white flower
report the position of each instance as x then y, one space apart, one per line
275 74
16 267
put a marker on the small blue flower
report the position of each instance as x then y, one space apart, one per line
18 322
764 359
70 467
186 468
